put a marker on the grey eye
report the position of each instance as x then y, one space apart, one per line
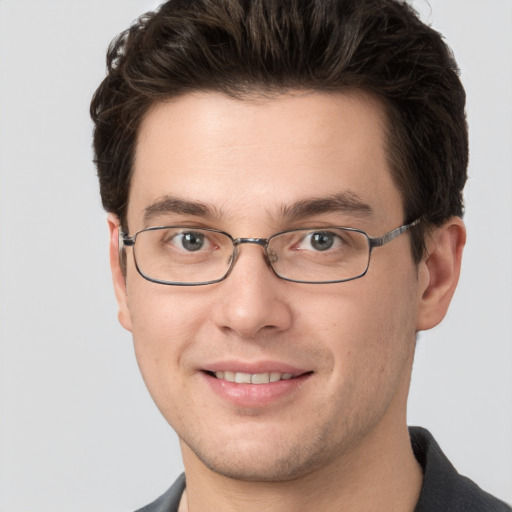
192 241
321 241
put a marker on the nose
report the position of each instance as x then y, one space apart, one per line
253 302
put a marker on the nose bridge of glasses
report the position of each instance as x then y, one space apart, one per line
257 241
262 242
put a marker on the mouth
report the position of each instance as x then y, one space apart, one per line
254 378
257 384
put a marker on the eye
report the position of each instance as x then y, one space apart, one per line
190 241
320 241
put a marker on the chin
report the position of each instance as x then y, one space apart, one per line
260 469
264 460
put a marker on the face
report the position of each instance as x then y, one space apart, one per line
205 160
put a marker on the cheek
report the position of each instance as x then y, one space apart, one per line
164 323
160 313
370 330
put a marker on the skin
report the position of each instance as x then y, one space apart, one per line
339 440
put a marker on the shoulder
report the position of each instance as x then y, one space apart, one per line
170 500
443 488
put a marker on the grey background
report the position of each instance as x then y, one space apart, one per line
78 430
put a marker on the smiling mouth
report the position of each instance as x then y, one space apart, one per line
254 378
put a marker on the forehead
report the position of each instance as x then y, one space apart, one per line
258 156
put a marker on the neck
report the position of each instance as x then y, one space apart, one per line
381 473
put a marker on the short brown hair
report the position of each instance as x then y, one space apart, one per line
242 47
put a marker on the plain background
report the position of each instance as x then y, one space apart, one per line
78 430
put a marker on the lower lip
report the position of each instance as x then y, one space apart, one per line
255 395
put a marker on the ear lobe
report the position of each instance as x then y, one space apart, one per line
118 273
440 272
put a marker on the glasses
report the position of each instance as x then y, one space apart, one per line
187 256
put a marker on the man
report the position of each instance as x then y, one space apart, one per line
284 187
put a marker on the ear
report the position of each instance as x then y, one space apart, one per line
439 272
118 273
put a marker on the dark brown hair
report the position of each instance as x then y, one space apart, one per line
245 47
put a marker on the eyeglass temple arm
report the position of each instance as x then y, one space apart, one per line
125 240
380 241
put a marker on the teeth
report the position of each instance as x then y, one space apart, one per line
242 378
260 378
253 378
274 376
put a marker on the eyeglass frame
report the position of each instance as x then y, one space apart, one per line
126 240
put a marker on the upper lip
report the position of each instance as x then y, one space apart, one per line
254 367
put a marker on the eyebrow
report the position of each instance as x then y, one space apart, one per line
169 204
344 202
